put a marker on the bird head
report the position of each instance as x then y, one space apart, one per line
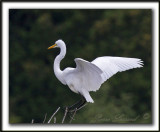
59 43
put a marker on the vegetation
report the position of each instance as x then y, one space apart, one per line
33 88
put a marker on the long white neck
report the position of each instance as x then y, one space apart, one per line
57 61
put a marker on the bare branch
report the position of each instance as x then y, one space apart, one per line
73 115
45 117
65 114
53 115
54 120
32 121
64 117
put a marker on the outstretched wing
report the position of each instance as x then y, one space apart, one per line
89 74
112 65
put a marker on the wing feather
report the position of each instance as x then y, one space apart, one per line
89 74
112 65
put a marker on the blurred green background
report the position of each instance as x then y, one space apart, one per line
33 88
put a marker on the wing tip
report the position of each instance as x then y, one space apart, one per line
140 63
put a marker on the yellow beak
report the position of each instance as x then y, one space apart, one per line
52 46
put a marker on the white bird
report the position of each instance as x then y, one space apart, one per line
89 76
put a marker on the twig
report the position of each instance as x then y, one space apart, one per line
64 117
54 120
32 121
45 117
65 114
53 115
73 115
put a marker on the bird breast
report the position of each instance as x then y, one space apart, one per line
71 86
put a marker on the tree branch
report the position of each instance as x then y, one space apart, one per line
53 115
45 118
66 111
64 117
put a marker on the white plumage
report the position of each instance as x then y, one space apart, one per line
89 76
111 65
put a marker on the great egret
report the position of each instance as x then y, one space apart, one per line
89 76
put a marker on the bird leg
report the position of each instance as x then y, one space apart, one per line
82 105
73 111
74 108
79 105
75 105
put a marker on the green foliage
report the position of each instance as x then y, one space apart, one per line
33 88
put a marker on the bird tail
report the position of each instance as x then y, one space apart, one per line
87 96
